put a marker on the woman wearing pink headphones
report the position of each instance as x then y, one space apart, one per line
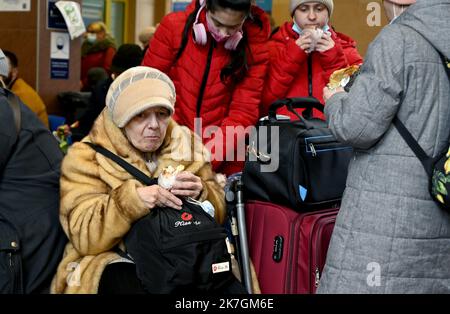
215 52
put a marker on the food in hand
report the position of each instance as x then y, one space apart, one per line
167 177
316 35
340 78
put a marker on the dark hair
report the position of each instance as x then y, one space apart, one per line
127 56
237 68
236 5
12 58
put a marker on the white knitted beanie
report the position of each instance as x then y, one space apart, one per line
328 3
136 90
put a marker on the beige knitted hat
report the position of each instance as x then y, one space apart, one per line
328 3
136 90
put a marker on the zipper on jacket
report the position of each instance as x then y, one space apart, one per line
205 78
16 284
308 112
310 76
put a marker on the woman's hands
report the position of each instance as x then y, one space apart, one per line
308 43
187 184
304 42
328 93
325 43
155 196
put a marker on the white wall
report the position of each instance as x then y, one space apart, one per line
144 15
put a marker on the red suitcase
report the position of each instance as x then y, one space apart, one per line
288 248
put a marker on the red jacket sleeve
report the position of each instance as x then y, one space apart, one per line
332 60
162 49
286 60
352 55
349 46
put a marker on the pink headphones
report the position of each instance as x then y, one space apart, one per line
201 37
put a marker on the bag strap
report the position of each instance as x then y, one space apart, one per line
15 107
135 172
413 144
407 136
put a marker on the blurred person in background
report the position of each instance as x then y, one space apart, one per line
97 50
145 36
22 89
127 56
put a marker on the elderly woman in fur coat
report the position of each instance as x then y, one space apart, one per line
100 200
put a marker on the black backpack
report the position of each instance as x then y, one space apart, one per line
183 251
438 168
176 251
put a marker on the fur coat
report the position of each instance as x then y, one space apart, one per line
99 201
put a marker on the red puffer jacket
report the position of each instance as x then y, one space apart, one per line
219 105
102 59
288 72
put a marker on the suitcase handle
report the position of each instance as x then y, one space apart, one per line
298 102
294 103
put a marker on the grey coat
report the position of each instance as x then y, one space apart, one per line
390 237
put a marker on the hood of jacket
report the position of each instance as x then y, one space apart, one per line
430 18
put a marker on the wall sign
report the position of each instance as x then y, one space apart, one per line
15 5
55 20
266 5
180 5
59 55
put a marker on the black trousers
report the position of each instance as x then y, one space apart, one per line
121 278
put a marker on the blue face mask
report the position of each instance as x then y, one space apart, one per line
298 30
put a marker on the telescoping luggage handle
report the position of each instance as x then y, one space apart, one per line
295 103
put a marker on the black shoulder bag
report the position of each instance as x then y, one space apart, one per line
298 164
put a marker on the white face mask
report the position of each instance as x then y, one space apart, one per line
91 37
298 30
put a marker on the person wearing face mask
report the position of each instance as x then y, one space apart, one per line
97 50
22 89
301 62
390 236
216 54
